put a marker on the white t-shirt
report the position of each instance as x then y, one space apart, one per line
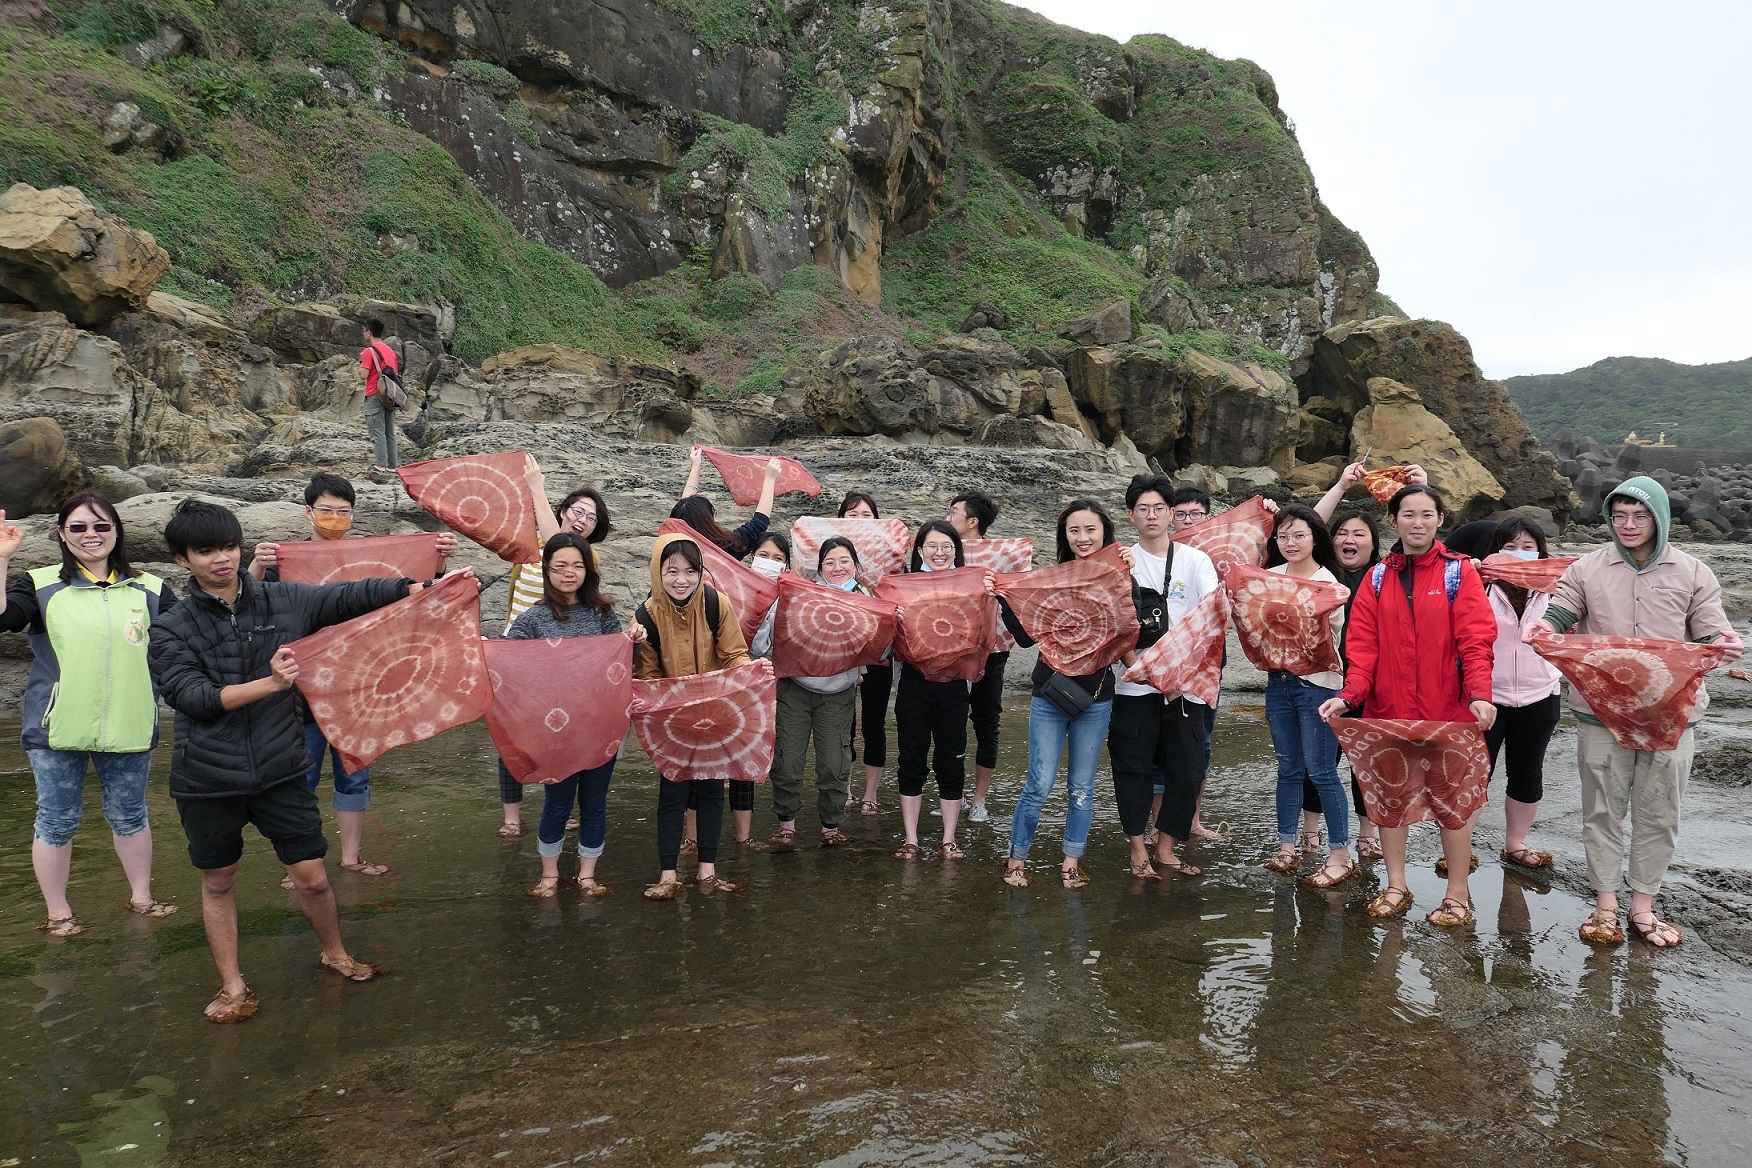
1329 680
1193 579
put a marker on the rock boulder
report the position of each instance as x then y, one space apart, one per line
1395 420
1104 326
57 253
37 470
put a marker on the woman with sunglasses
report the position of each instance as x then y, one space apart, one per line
585 515
89 699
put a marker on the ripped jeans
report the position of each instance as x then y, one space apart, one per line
1048 728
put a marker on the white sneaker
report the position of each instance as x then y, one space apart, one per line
976 812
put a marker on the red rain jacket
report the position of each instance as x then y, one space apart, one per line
1425 660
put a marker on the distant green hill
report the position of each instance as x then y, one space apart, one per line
1710 406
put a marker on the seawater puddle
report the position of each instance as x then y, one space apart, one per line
850 1008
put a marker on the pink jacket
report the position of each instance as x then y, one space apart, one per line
1519 676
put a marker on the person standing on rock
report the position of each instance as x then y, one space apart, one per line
220 660
972 513
89 698
1152 732
374 358
584 513
1419 648
1639 585
328 505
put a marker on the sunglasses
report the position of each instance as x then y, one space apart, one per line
82 528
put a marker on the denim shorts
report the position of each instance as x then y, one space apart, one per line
60 784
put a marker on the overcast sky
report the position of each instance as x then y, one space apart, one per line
1560 181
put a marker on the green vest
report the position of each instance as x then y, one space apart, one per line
89 687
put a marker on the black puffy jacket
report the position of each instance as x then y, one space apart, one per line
203 645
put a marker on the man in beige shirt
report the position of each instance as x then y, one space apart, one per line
1636 586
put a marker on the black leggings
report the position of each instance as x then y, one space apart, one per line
1527 731
986 706
1311 797
673 800
741 795
928 713
1150 731
873 692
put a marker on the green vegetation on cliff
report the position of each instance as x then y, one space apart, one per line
1702 406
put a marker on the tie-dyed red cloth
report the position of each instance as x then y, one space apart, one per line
1189 657
744 475
1533 575
820 631
484 497
1413 771
1285 624
945 622
1643 689
883 544
1237 536
1386 482
716 725
1080 613
402 674
559 706
337 561
1015 554
748 592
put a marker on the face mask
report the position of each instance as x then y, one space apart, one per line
768 568
331 526
1522 553
851 584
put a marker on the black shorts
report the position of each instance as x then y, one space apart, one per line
286 814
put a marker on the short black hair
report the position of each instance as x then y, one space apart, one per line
1411 490
199 526
328 484
853 498
980 507
374 326
1143 484
1190 494
776 537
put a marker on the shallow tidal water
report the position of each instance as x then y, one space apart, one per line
851 1009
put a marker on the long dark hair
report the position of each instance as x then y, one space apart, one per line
698 513
853 498
1324 553
1344 517
944 527
1515 525
603 526
834 544
1065 554
103 508
589 592
1410 489
778 538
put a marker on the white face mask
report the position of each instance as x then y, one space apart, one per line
768 568
851 584
1522 553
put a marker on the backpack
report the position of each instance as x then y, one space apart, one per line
1450 579
389 382
714 615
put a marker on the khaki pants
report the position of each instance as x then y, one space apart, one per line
827 718
1647 784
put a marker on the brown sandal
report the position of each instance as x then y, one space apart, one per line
1074 877
754 845
906 852
233 1007
716 883
591 886
1282 862
868 807
1383 909
1311 842
1147 872
1525 857
1442 866
546 888
1016 875
1369 848
1602 928
62 927
1325 879
833 837
511 830
1450 914
783 836
355 970
366 868
689 847
1178 867
1654 927
663 890
154 908
950 850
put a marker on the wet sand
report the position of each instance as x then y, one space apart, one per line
852 1009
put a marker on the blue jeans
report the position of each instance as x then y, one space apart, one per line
352 788
589 789
1307 749
60 784
1048 728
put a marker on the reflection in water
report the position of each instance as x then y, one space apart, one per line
855 1010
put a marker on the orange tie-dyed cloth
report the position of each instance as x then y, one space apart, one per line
484 496
1643 689
744 475
1237 536
1386 482
749 593
1284 624
1412 771
1189 657
559 706
820 631
337 561
1533 575
945 621
718 725
883 544
1080 613
1015 554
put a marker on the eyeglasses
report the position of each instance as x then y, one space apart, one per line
945 548
580 511
1619 520
1189 516
332 510
1292 536
1150 508
82 528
